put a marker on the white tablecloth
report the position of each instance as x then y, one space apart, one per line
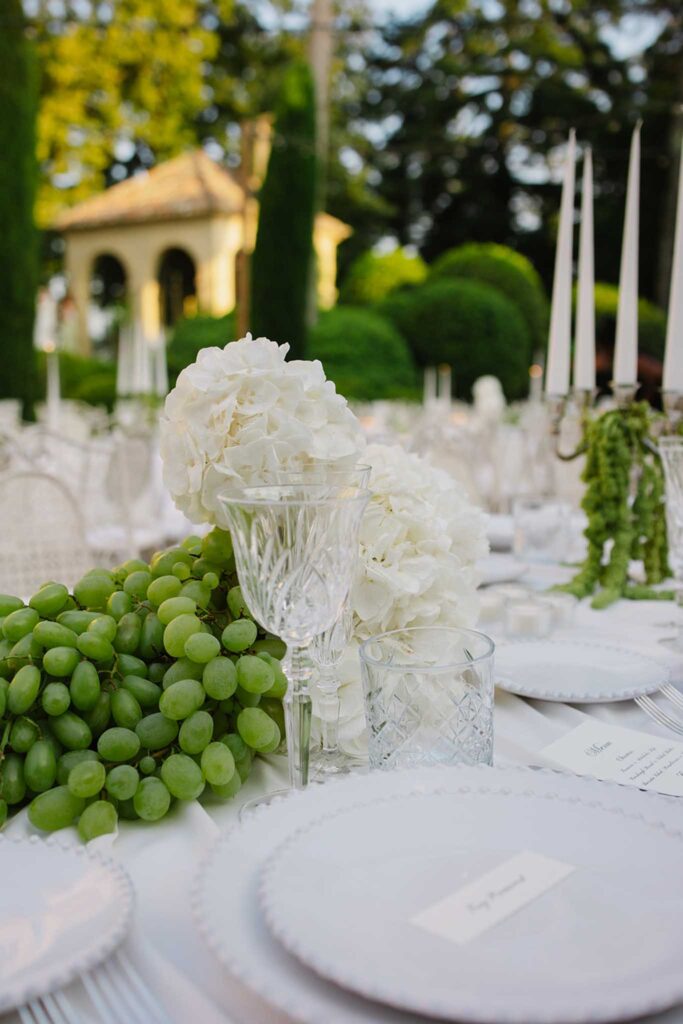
162 858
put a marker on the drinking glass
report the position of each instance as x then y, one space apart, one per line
671 453
428 697
542 528
296 547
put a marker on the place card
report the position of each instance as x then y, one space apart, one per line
615 754
478 906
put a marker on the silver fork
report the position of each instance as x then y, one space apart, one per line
672 694
120 996
50 1009
656 713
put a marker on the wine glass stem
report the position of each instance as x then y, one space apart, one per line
297 705
328 685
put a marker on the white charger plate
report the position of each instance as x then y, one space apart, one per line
229 918
576 671
500 568
340 895
62 911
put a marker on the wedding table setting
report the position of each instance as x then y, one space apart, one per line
328 758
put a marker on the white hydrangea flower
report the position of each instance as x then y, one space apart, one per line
240 414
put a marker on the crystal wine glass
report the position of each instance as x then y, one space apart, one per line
295 547
671 452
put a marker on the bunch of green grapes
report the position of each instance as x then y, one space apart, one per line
147 684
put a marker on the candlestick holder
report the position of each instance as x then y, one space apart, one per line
624 394
580 399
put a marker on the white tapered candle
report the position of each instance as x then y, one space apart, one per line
673 355
559 341
625 370
584 343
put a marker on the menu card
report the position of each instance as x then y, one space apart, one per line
615 754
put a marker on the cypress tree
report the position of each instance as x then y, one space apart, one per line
18 240
282 259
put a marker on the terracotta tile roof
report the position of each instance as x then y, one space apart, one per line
190 185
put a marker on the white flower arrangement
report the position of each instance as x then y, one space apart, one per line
241 413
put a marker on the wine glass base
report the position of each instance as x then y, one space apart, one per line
251 806
331 765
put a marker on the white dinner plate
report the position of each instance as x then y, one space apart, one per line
229 918
500 568
576 671
342 894
62 911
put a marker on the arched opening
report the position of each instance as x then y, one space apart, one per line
177 285
108 308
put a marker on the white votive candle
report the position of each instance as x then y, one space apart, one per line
529 619
562 606
490 607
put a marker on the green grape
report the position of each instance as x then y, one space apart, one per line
172 607
202 648
50 738
23 689
24 652
3 812
9 604
71 731
49 600
128 634
182 777
271 645
256 728
239 635
181 571
270 748
218 764
230 788
134 565
12 783
237 605
163 588
183 668
20 623
145 691
181 699
162 564
152 799
94 590
129 665
242 754
155 731
118 744
87 779
125 710
122 781
57 808
119 604
220 678
147 765
69 760
84 686
253 674
196 591
202 567
126 810
75 622
60 661
55 634
137 583
193 544
95 646
210 579
152 637
156 671
3 701
274 709
196 732
98 819
178 631
104 625
279 687
216 547
247 699
98 716
23 735
55 699
40 767
5 648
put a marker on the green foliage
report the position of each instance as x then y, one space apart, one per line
282 260
637 529
18 251
467 324
195 333
372 276
509 272
651 321
363 354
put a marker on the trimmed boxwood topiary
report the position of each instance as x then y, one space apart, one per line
470 325
364 354
509 272
651 321
372 276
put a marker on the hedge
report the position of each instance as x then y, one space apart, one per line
364 354
651 321
372 276
509 272
82 379
194 333
469 325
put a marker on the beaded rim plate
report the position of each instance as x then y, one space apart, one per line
232 926
65 911
576 671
